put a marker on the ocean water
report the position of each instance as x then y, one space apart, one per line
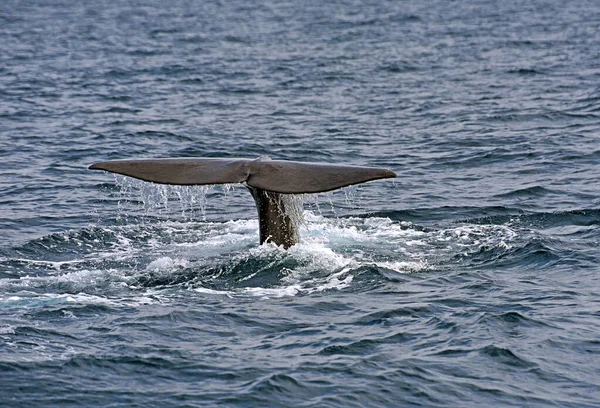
472 279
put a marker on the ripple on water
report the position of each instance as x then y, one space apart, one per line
468 281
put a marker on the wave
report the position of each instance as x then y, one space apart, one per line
224 257
153 258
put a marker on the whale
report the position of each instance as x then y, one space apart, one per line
272 183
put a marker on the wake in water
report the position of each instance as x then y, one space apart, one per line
141 254
222 258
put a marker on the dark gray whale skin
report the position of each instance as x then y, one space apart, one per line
269 181
276 222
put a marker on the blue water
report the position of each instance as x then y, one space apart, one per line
472 279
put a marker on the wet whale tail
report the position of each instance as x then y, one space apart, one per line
268 180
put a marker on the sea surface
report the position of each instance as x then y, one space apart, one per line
472 279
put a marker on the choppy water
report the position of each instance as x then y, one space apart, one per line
472 279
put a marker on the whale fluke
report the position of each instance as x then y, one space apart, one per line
287 177
268 181
186 171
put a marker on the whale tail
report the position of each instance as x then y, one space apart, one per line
286 177
274 177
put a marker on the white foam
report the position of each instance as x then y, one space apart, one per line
166 263
332 282
267 293
317 257
405 266
213 291
264 293
34 300
55 265
69 314
330 249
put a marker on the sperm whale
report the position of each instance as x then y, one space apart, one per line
270 182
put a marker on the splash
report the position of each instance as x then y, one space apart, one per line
221 258
188 201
